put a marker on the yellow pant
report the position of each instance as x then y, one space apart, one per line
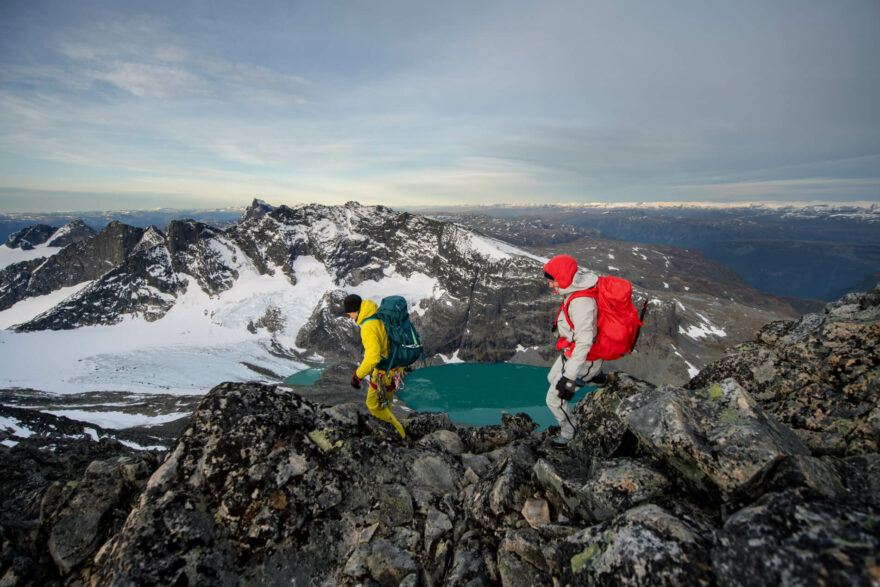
379 398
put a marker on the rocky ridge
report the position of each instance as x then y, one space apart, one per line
51 236
717 483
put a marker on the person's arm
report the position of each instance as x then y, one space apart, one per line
583 313
372 349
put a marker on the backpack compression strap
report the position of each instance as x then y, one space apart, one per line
563 344
563 309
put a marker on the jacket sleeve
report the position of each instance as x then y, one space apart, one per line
584 314
372 350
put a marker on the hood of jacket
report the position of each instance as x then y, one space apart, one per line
368 308
582 279
568 275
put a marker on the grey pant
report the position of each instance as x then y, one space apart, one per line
559 407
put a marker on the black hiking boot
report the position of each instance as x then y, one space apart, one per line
602 379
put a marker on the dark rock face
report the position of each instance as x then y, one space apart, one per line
83 260
27 238
819 375
63 493
71 233
326 334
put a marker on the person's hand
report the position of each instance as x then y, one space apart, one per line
355 382
566 388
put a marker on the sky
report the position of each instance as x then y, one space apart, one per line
183 104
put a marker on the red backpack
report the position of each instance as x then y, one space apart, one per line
618 322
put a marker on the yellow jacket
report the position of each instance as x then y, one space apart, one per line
373 337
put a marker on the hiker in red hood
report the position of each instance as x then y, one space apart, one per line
571 368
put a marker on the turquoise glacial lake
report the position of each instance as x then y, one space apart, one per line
305 377
473 393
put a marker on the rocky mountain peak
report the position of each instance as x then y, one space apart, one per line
31 236
71 232
256 209
152 237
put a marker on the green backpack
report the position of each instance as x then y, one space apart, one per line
404 345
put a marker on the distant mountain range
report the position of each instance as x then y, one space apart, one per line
817 252
97 220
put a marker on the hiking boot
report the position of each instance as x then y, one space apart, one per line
602 379
559 442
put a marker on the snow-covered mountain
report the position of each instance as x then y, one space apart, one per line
185 301
134 309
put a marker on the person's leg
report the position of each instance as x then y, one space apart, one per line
590 369
375 405
559 407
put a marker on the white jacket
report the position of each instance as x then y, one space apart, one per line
584 314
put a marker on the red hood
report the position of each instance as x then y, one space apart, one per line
562 268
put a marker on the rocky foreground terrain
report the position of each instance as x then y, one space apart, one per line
763 470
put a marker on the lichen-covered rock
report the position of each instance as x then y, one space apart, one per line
515 572
645 546
820 375
621 484
445 440
714 438
483 439
785 539
808 472
388 564
502 492
601 431
61 485
536 512
84 522
605 489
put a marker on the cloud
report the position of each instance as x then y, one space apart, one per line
806 189
157 81
567 100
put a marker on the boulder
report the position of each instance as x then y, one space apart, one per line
715 438
789 539
645 546
86 520
389 565
818 375
445 440
503 491
396 506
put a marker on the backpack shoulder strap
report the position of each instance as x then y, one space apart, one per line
373 317
583 293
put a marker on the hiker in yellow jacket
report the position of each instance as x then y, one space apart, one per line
375 341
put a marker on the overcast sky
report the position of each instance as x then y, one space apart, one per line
124 104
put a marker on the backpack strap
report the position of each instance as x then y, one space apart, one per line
563 309
383 363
